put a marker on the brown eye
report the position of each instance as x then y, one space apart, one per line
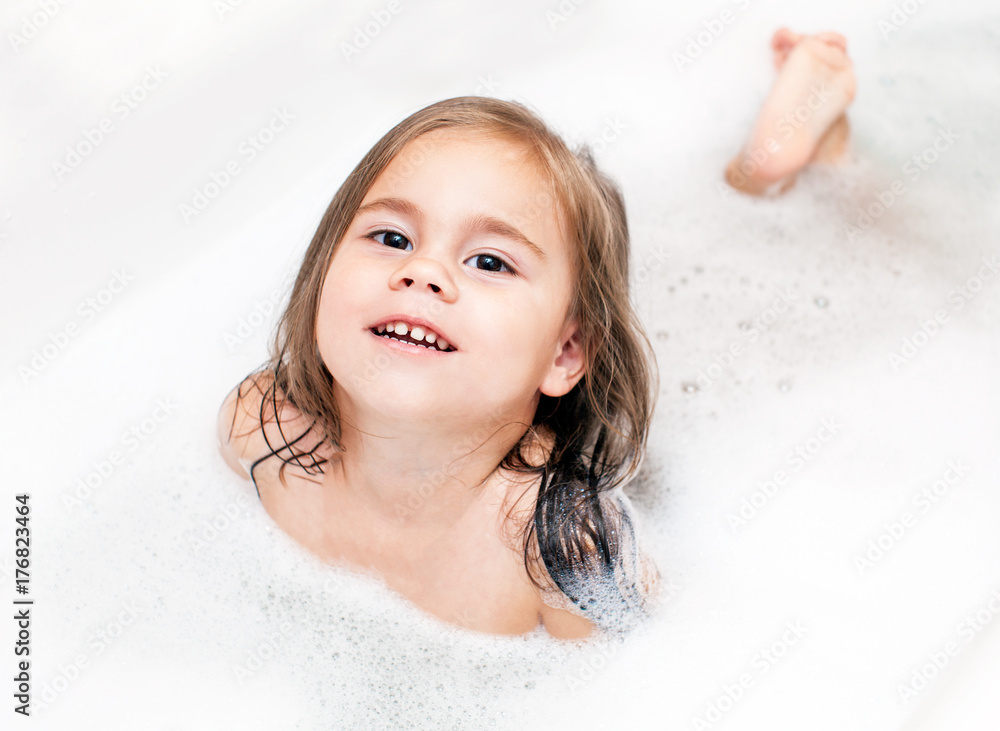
493 263
392 238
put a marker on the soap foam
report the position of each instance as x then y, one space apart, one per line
168 598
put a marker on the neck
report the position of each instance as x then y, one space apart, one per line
422 475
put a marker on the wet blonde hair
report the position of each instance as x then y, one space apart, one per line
599 429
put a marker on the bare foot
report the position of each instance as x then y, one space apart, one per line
803 118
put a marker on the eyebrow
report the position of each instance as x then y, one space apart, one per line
481 222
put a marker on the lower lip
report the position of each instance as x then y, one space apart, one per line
409 347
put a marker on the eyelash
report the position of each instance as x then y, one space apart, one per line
500 259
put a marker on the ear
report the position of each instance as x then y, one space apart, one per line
568 366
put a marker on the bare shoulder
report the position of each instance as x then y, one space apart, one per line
564 624
561 617
255 419
556 611
238 423
564 620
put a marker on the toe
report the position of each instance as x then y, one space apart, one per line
782 42
783 39
834 39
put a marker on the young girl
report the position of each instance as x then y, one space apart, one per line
459 384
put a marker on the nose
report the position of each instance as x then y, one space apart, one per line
424 273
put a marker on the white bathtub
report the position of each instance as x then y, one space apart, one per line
832 596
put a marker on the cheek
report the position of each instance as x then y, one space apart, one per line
341 284
327 307
333 310
527 342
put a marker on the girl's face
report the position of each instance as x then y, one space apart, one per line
460 236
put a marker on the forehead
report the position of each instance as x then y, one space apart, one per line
461 171
475 144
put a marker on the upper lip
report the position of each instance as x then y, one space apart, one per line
415 322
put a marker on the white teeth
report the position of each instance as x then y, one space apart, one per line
417 333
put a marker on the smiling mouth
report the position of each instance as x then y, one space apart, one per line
410 340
